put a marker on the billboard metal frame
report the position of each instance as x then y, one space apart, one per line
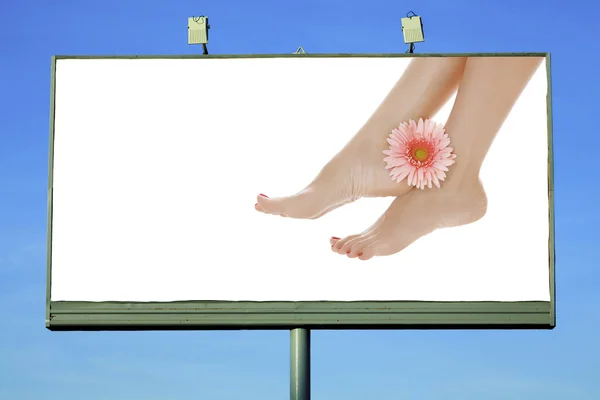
223 315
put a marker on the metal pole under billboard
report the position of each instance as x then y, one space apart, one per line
300 364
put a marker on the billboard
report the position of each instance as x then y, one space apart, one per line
320 191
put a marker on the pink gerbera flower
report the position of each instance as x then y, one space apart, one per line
419 151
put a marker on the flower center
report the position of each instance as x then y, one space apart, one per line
420 154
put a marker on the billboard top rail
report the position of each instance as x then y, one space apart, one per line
309 55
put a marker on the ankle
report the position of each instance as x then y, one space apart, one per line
462 175
469 194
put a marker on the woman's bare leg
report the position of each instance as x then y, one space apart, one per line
358 169
489 89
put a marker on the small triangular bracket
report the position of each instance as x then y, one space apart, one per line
299 50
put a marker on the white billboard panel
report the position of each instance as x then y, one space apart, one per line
160 166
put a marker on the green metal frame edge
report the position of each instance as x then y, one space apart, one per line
551 216
50 190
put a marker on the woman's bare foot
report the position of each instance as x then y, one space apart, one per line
358 170
417 214
488 91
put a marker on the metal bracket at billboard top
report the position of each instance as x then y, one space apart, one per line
299 50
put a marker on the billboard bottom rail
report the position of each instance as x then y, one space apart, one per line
290 315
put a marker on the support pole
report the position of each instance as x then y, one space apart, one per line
300 364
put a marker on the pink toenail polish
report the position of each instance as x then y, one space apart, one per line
359 254
335 238
264 195
348 252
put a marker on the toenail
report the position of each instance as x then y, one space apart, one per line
348 252
264 195
335 238
359 254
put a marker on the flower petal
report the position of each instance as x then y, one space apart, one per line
438 133
420 127
397 162
436 181
443 143
413 127
392 141
446 162
429 126
439 166
410 176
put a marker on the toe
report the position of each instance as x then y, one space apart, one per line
269 205
368 249
340 244
358 247
333 240
366 254
348 247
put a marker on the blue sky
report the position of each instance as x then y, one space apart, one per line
530 365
